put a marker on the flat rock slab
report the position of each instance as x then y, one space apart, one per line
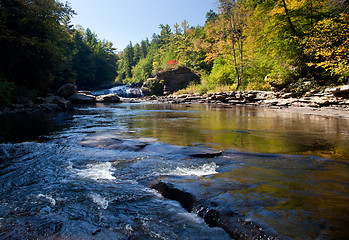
111 141
149 145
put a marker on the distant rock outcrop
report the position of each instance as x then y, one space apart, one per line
177 79
171 81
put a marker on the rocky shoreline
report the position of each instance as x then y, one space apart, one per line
327 102
62 101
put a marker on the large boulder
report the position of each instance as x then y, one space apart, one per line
176 79
82 98
66 90
108 98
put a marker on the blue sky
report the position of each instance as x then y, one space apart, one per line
122 21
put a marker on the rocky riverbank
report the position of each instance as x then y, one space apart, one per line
327 102
62 101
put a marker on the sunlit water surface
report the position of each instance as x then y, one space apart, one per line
286 172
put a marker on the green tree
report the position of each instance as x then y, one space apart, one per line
211 16
137 53
34 41
143 70
127 59
144 48
327 46
94 62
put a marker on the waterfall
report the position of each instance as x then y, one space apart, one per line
126 91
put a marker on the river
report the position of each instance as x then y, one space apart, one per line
88 176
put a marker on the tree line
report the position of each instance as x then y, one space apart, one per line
251 44
246 44
41 50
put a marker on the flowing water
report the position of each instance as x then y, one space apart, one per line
88 177
126 91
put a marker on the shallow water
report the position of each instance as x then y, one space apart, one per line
73 179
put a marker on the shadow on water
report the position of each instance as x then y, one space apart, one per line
29 127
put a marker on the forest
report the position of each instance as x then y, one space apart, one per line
245 44
250 44
41 50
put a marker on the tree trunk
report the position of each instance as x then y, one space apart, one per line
293 30
238 77
239 39
241 60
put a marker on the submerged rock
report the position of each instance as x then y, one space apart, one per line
200 152
109 141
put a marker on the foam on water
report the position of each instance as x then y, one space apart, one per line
99 200
98 171
203 170
51 200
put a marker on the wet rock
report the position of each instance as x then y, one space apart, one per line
66 90
236 227
203 152
212 217
168 191
198 152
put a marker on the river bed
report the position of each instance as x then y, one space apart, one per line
87 176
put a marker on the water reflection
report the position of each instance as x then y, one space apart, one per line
293 188
245 128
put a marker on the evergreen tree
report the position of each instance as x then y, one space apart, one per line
34 42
